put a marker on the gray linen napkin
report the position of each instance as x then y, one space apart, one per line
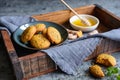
11 23
67 56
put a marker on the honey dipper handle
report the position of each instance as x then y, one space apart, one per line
84 20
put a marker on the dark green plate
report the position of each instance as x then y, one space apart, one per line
19 31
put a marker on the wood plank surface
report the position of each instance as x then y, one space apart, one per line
62 16
105 46
12 54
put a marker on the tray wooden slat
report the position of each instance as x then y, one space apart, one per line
107 18
106 45
36 64
12 54
62 16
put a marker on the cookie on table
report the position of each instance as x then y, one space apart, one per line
39 41
28 34
96 71
106 59
40 27
54 35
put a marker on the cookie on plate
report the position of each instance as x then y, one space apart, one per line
28 33
40 27
44 32
54 35
39 41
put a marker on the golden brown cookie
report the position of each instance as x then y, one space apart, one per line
96 71
106 59
54 35
44 32
28 33
39 41
40 27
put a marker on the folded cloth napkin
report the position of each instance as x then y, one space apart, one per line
70 55
11 23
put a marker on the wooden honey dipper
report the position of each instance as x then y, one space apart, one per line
83 19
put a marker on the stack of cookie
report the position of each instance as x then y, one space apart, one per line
41 37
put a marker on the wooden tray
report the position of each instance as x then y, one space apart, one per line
28 64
